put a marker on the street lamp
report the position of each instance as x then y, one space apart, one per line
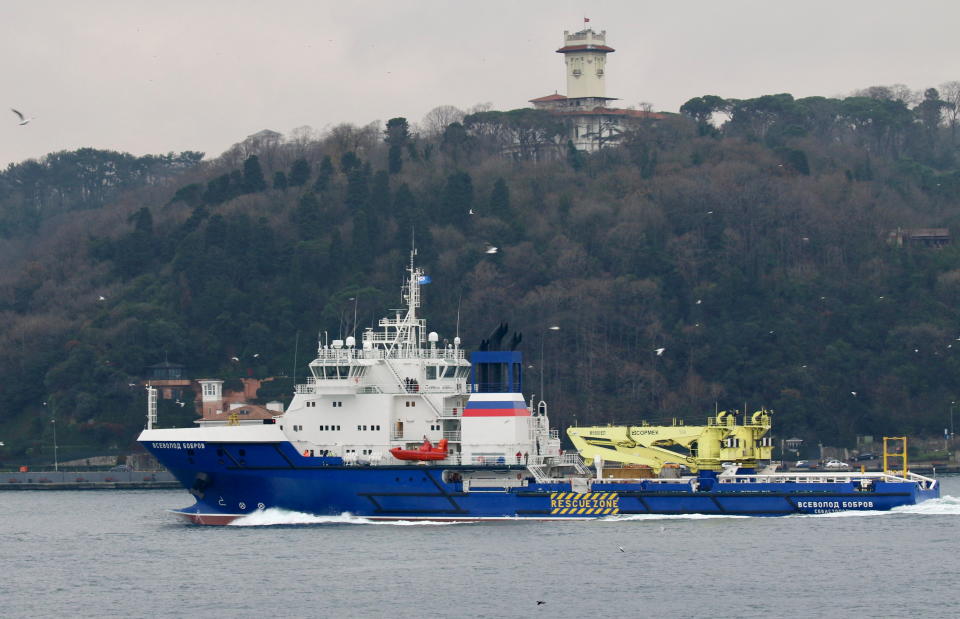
949 443
53 420
542 367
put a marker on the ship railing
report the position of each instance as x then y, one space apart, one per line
454 411
822 477
228 422
452 435
347 354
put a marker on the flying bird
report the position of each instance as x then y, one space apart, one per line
539 602
256 355
699 301
101 298
492 250
554 327
23 119
470 212
853 393
659 351
621 548
235 358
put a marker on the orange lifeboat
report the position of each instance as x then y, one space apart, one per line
426 451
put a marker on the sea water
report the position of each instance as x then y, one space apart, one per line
121 554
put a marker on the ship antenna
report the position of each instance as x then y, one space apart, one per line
356 298
459 299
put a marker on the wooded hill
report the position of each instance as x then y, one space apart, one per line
747 238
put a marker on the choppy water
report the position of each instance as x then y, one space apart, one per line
119 553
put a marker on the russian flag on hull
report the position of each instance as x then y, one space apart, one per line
496 405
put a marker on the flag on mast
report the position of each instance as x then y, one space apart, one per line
586 20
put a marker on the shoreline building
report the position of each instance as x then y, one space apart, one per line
591 124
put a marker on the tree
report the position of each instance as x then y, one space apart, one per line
397 135
349 162
253 180
299 173
574 157
436 121
702 109
950 92
324 174
455 141
500 199
307 217
280 180
457 199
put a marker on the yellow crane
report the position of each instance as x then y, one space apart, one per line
704 447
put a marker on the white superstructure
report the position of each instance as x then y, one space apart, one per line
400 386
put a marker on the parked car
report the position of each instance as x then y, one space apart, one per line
804 464
836 465
867 456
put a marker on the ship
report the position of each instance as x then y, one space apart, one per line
405 426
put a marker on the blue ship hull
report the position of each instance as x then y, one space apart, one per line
233 480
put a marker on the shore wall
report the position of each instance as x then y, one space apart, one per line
87 480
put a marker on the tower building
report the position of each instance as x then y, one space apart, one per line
591 125
585 54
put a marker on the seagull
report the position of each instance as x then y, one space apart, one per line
853 393
256 356
235 358
101 298
539 602
555 327
659 351
470 212
131 384
23 120
699 301
621 548
492 250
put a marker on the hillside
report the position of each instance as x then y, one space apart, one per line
756 253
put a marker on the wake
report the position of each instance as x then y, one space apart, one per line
281 517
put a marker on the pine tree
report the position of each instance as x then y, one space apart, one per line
397 137
500 199
299 173
324 174
280 181
253 180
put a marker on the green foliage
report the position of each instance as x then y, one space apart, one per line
755 252
299 173
253 180
324 174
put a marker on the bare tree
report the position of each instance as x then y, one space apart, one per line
950 93
894 92
439 118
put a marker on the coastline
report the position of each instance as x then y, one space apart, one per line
88 480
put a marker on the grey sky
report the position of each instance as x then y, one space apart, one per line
151 77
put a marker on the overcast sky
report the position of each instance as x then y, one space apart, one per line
172 75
